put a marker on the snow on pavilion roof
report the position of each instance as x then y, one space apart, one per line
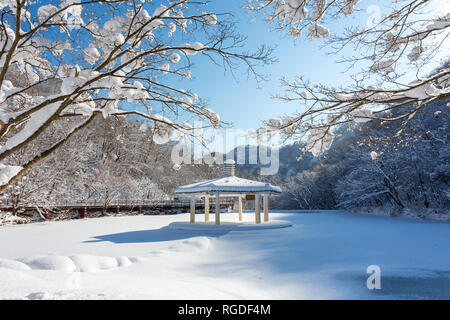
230 184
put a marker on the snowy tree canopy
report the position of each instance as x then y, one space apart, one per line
81 59
390 61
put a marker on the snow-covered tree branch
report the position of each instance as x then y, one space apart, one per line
77 58
390 64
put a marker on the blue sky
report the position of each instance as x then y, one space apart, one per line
239 100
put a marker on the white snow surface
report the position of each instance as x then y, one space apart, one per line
36 120
228 184
324 255
229 226
8 172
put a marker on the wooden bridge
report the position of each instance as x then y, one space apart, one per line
116 205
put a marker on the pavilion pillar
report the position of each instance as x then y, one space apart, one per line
257 210
217 208
266 207
192 218
207 208
240 207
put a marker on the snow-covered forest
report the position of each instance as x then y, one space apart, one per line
83 60
366 171
81 115
113 159
363 169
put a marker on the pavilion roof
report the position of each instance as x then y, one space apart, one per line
230 184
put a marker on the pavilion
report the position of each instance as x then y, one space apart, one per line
229 186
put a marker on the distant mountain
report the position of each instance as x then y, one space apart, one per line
291 160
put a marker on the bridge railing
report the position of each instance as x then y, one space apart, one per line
115 203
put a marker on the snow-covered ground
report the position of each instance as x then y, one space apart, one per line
324 255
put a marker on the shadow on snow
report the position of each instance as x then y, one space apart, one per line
157 235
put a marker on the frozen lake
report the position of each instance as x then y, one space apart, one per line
324 255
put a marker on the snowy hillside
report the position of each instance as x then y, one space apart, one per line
291 161
324 255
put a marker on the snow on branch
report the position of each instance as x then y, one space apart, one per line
74 58
389 67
